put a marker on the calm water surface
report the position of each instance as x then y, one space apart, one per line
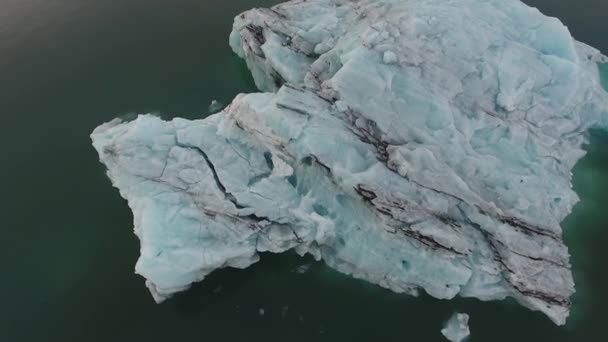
67 248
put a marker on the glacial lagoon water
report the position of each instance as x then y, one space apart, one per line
68 248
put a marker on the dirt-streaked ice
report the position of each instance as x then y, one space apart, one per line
417 144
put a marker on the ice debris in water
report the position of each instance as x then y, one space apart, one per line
218 289
303 268
215 107
457 327
419 145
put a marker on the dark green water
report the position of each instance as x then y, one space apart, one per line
67 250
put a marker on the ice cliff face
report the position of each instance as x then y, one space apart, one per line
416 144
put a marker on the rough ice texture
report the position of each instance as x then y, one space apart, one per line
416 144
456 329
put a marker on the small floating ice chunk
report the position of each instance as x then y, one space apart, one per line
456 329
302 268
215 107
261 311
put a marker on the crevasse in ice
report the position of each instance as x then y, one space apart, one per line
416 144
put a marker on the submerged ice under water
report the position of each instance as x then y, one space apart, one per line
418 144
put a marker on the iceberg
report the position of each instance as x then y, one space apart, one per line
421 145
457 328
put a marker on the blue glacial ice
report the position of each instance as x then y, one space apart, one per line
456 329
421 145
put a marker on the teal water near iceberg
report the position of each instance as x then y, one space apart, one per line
604 75
68 248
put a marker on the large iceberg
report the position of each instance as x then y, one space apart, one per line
416 144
